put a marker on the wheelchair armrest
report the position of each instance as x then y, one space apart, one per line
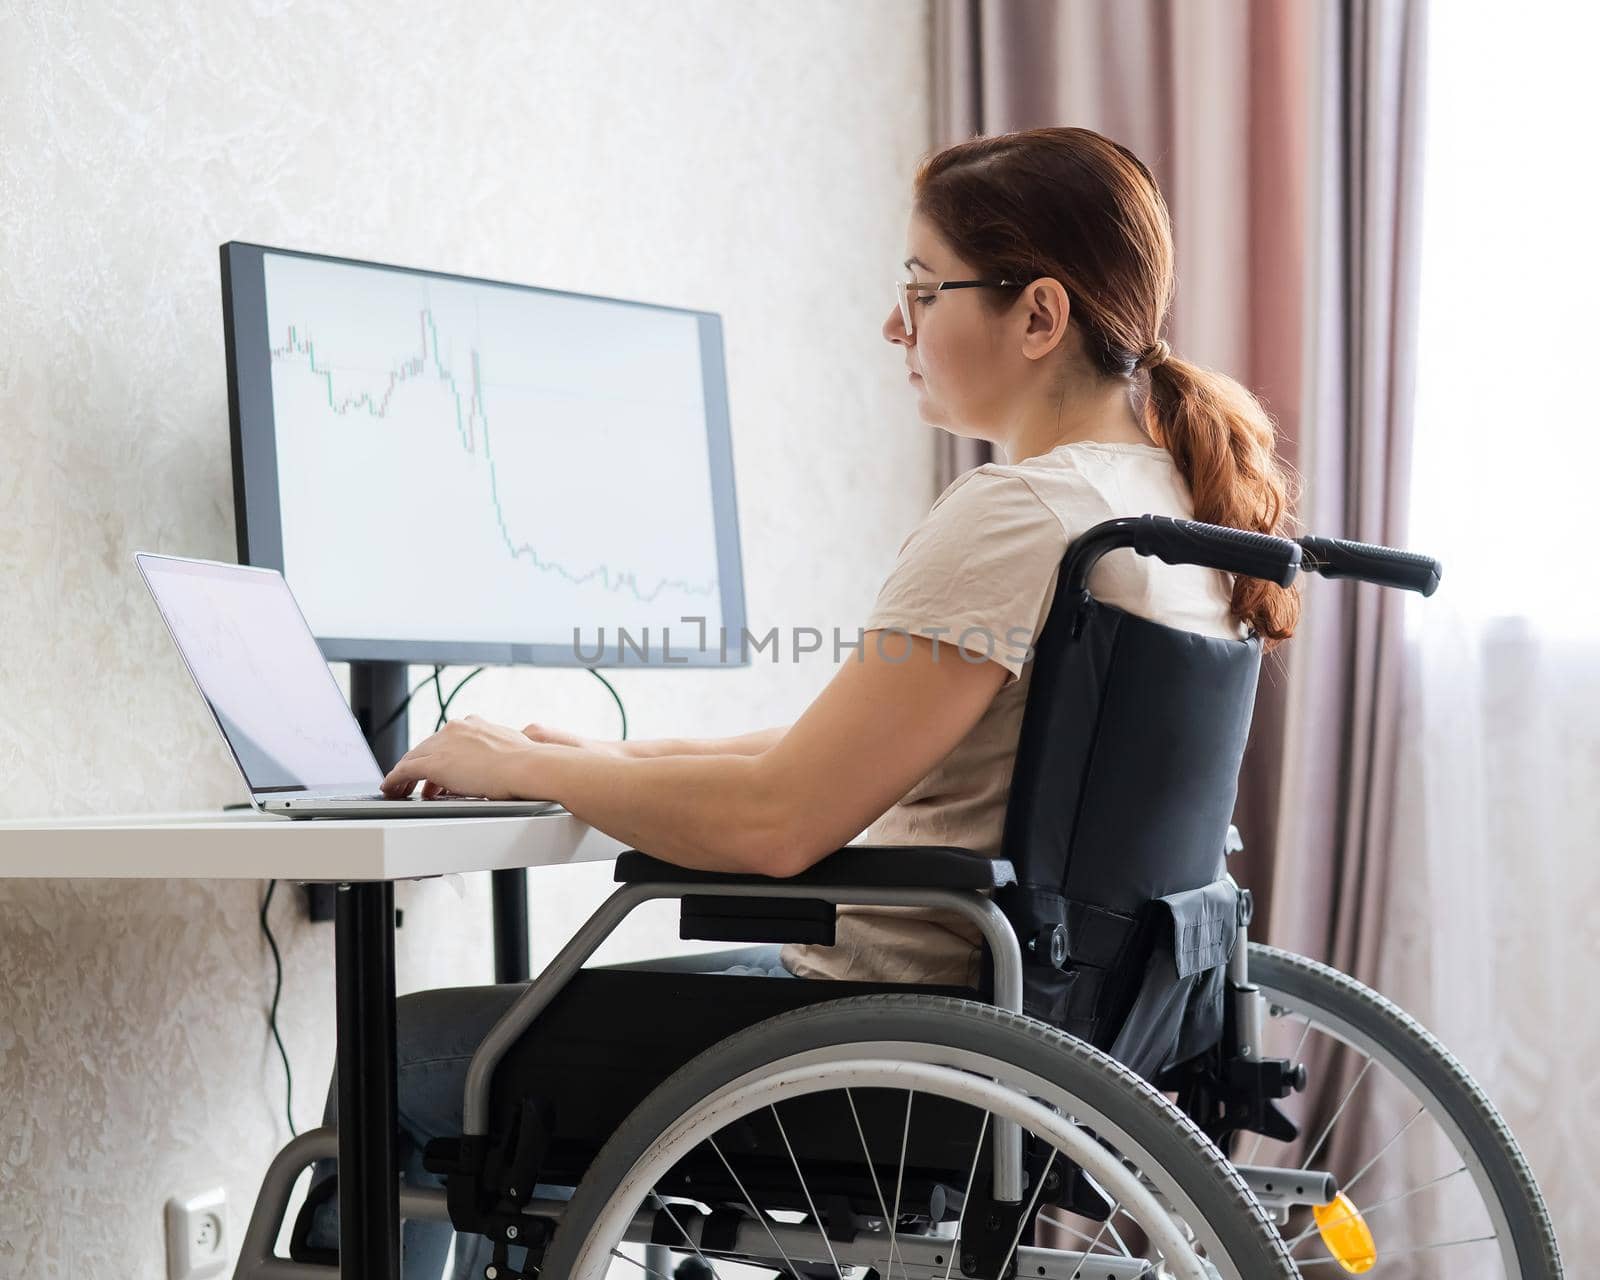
891 866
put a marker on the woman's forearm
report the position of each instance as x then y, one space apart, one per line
708 812
745 744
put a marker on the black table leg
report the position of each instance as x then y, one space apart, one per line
510 896
369 1172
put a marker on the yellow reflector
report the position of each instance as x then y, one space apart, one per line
1344 1232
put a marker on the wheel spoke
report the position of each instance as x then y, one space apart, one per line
1361 1173
759 1216
1067 1227
1343 1103
644 1267
1098 1234
806 1191
1373 1208
872 1172
684 1233
1121 1244
1403 1253
966 1199
899 1181
1028 1213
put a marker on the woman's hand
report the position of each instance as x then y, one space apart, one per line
470 757
561 738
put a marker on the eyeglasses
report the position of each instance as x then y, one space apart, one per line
904 288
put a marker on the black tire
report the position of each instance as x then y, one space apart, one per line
1437 1077
1219 1196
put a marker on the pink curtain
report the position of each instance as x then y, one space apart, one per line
1287 140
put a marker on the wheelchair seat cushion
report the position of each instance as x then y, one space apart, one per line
610 1036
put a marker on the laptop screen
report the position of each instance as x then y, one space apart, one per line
258 667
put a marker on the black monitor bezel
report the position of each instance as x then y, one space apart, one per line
257 517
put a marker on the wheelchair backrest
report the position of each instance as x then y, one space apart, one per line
1126 772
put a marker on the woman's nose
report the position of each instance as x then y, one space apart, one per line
894 328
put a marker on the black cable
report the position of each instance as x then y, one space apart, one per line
272 885
438 693
620 708
444 703
272 1015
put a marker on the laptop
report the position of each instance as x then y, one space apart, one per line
251 653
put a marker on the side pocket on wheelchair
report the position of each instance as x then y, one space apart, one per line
1178 1009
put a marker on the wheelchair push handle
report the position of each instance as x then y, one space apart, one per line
1213 546
1385 566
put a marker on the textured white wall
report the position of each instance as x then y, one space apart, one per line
748 158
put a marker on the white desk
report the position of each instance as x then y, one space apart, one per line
364 857
247 845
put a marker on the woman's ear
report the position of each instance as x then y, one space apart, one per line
1049 316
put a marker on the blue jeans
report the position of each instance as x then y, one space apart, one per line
436 1033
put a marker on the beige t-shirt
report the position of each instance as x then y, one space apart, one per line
986 556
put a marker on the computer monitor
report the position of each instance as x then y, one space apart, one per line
454 470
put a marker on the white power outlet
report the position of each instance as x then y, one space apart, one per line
197 1235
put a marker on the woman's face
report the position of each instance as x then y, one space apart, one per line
971 371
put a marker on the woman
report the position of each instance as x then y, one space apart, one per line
1041 275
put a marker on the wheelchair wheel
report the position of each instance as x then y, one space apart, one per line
848 1139
1460 1198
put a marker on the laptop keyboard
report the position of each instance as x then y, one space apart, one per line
371 795
415 795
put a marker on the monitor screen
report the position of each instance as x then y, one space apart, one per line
456 470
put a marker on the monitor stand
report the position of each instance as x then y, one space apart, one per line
376 689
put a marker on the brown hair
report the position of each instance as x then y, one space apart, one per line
1071 204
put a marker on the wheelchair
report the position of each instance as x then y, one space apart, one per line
1115 1097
